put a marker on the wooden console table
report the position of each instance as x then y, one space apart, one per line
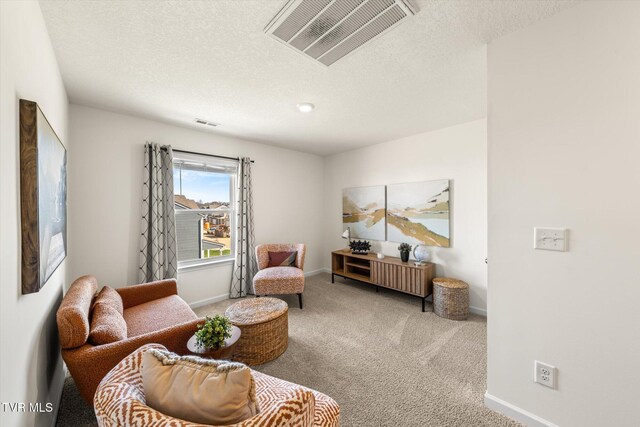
388 272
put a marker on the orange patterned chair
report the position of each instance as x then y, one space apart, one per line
120 401
281 279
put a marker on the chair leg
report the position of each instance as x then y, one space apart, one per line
300 300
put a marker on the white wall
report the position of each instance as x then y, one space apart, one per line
106 180
564 151
458 153
30 364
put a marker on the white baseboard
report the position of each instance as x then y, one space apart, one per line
479 311
56 409
512 411
475 310
207 301
472 309
316 272
58 395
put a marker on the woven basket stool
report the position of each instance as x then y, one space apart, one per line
450 298
264 323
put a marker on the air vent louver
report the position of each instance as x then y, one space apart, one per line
329 30
205 122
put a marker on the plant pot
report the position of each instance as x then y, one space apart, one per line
404 256
223 352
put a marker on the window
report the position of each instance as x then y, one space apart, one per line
204 190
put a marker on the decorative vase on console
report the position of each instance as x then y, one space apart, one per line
405 250
421 254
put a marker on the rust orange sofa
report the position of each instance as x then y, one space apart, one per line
153 312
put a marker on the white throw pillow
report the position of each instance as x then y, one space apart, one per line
199 390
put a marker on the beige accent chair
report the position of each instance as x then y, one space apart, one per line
279 280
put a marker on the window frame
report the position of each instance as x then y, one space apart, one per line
213 162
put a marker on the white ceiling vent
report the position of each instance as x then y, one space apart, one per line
205 122
329 30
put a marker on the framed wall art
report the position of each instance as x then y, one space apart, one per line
418 213
363 212
43 198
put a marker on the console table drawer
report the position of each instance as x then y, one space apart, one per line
400 277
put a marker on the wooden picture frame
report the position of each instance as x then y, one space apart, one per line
43 198
363 212
419 213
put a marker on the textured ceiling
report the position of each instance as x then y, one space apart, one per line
175 61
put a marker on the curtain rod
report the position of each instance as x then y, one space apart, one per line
209 155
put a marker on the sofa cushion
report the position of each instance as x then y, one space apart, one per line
215 392
279 280
282 259
73 315
111 297
157 314
107 325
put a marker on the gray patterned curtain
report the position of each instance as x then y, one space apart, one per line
245 266
158 254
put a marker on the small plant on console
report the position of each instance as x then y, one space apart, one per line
404 249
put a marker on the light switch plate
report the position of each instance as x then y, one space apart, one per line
550 239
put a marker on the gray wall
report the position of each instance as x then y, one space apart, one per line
106 138
31 368
564 151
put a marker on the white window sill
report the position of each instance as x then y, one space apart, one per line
190 265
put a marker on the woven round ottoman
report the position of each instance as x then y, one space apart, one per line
450 298
264 323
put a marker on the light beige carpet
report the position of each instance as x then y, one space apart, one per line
384 361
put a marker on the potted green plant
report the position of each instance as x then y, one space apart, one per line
213 332
405 250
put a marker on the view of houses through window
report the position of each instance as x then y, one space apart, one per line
204 209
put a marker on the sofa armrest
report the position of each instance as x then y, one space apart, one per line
139 294
302 250
296 408
89 364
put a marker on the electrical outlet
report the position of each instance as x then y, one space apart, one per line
550 239
545 374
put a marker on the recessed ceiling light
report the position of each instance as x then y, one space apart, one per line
305 107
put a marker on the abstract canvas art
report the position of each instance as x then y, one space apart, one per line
418 213
363 211
43 198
